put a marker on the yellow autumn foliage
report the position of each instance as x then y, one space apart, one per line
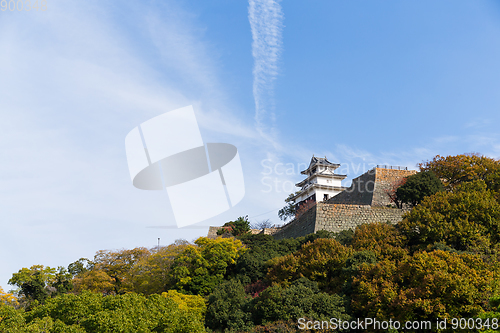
7 298
191 303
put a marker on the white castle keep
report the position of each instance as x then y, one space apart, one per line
321 183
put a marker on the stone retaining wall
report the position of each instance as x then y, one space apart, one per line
384 181
371 187
338 217
302 226
212 232
359 193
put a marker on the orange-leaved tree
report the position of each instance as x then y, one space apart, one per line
110 271
455 170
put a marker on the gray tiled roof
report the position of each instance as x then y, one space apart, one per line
322 161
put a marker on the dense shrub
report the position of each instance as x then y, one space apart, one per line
417 187
301 299
463 218
228 307
321 261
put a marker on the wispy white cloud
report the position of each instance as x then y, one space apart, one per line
478 123
350 153
266 22
68 97
447 139
186 58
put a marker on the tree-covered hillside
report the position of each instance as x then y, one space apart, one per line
439 263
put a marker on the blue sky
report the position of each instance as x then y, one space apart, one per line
361 82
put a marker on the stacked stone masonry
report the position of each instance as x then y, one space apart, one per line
302 226
341 217
384 181
371 187
212 232
338 217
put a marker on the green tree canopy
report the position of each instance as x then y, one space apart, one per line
462 219
201 267
417 187
80 266
228 307
287 212
320 261
94 313
301 299
38 282
236 228
251 266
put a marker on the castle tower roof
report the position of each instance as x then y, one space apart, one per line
315 161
